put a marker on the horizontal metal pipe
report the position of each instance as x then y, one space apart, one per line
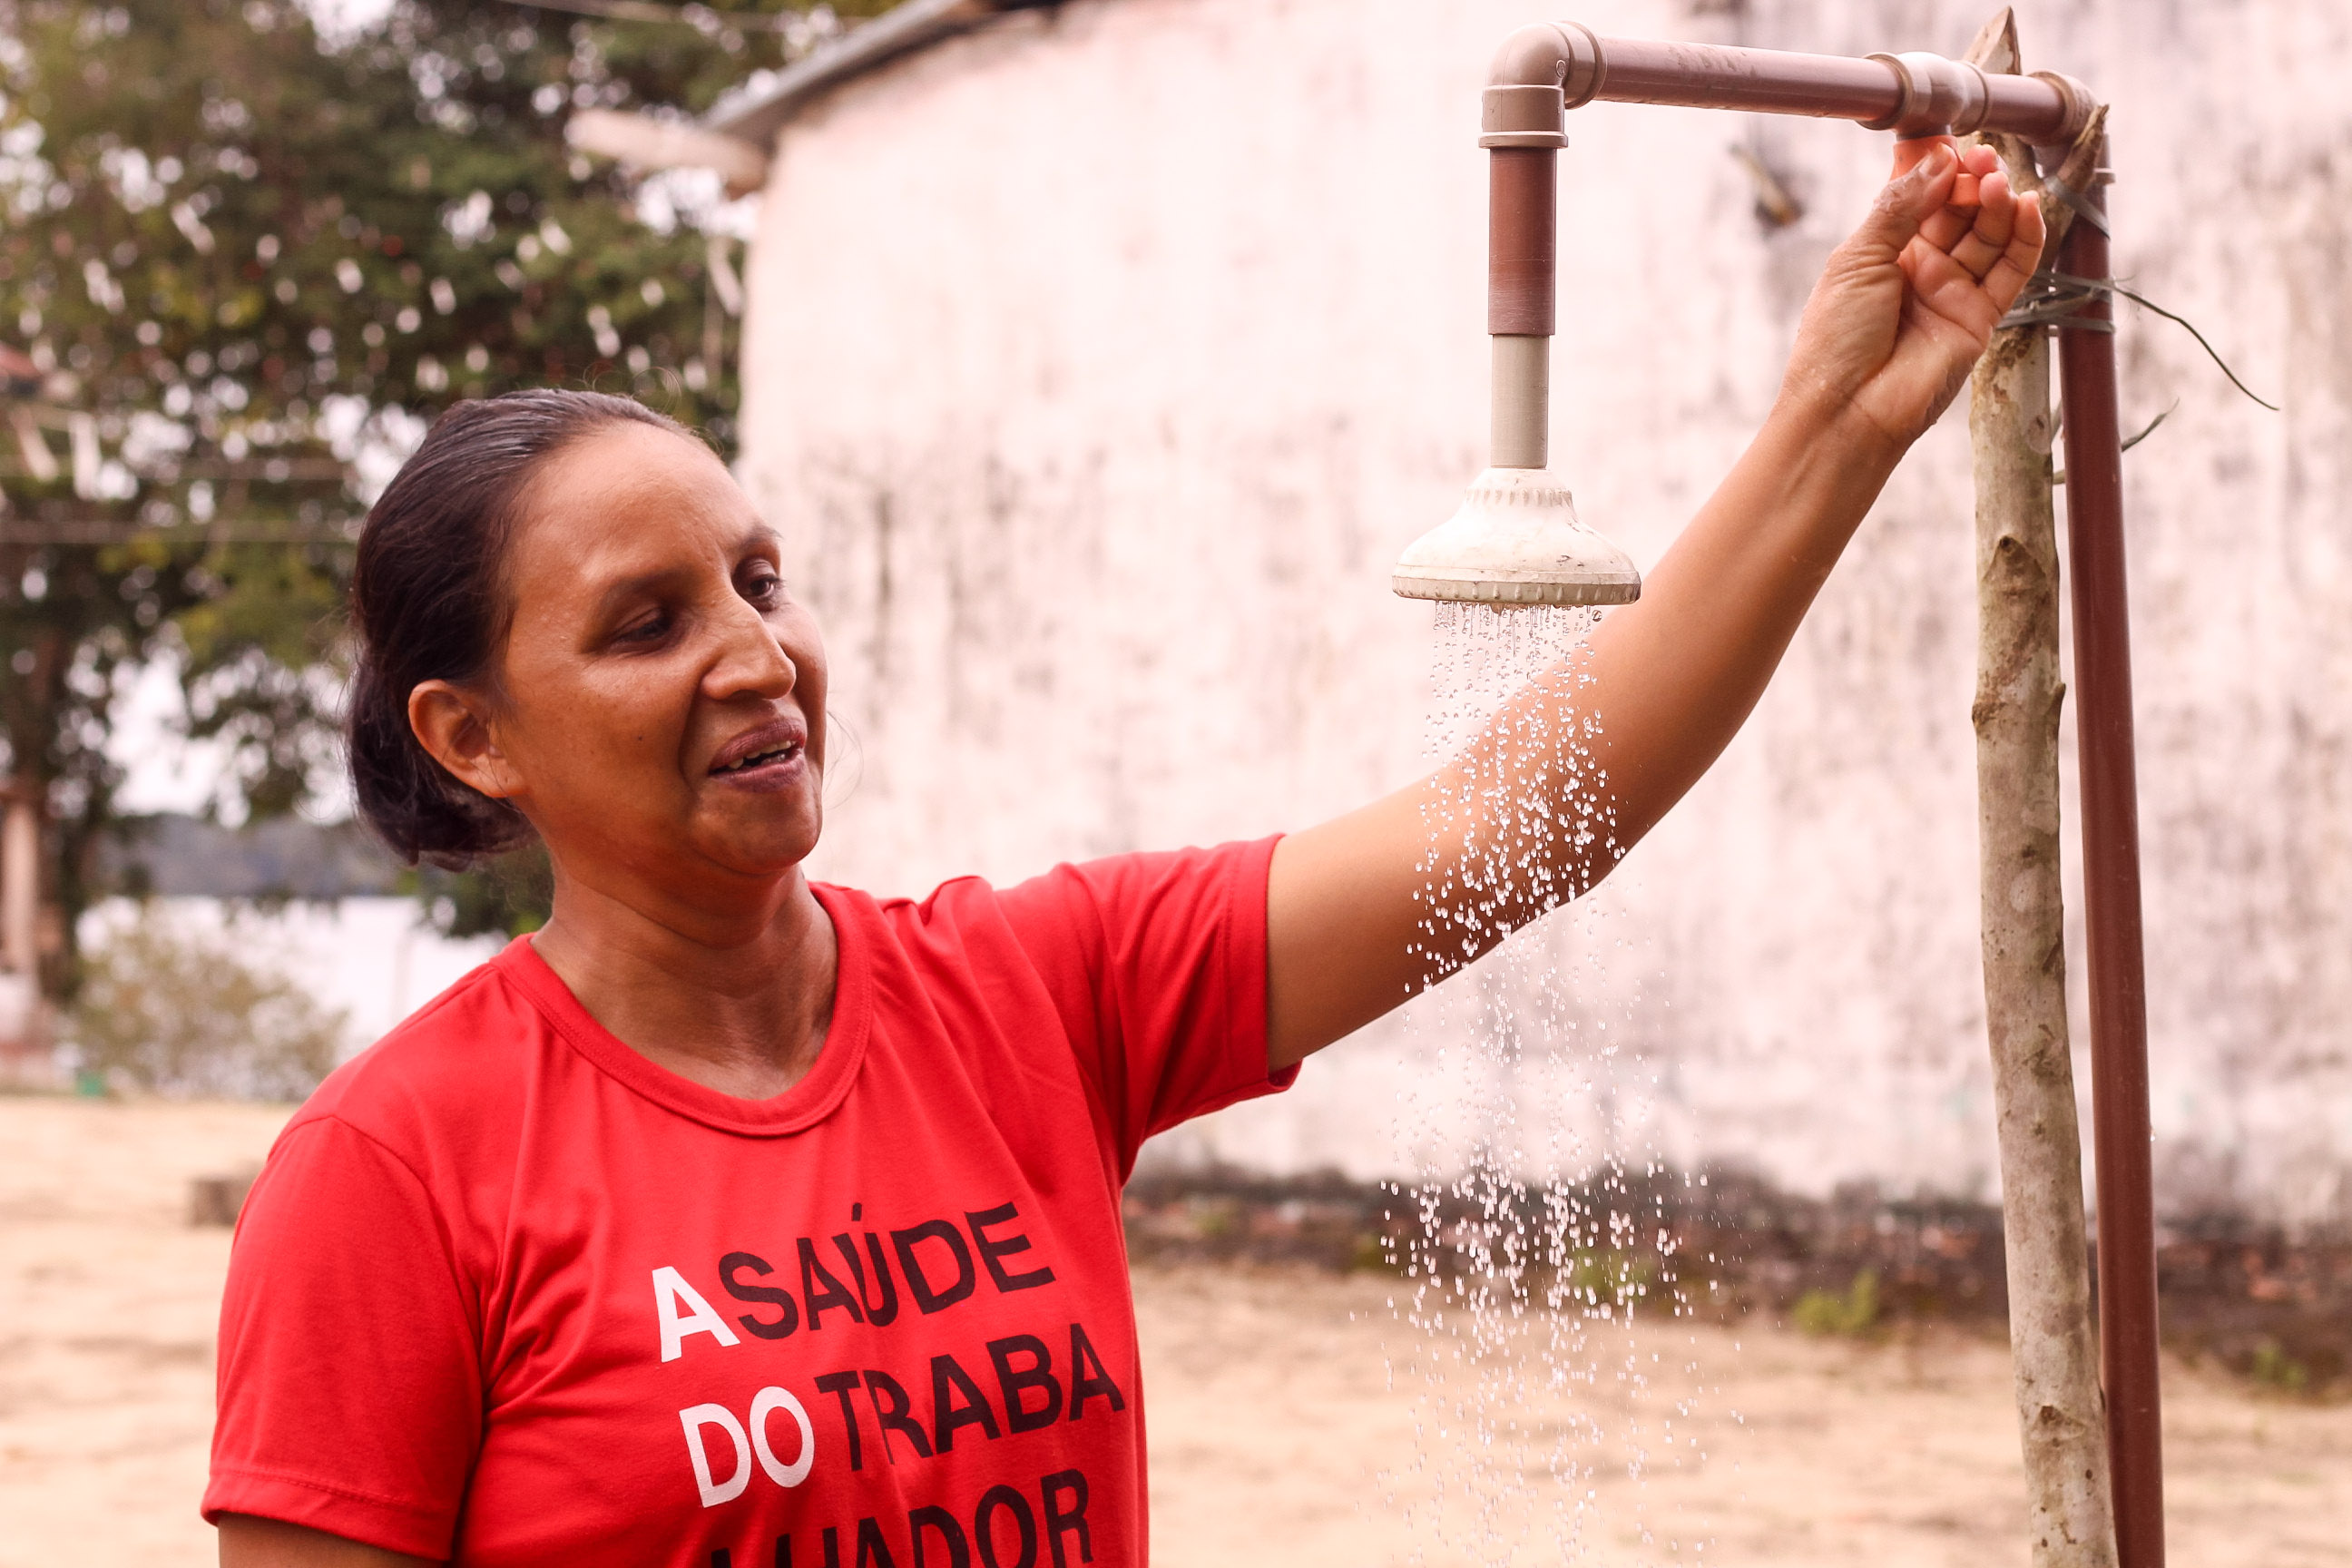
1763 81
1910 94
2024 106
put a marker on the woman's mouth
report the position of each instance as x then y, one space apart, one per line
772 756
789 752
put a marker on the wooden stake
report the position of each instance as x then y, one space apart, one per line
2062 1415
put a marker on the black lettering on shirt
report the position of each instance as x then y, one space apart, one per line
919 1520
1070 1521
873 1551
984 1528
891 1407
992 1249
842 1385
919 1284
1085 1383
1016 1384
788 1310
881 1316
831 1550
834 1294
948 1380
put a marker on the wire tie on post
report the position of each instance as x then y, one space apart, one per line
2050 300
2084 208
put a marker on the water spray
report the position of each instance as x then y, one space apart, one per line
1516 539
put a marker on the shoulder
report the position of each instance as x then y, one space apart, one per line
1064 927
955 915
1117 896
967 923
455 1068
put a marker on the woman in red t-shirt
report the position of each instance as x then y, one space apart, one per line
732 1220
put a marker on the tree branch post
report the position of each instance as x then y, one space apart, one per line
2061 1413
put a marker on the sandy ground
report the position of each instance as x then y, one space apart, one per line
1285 1410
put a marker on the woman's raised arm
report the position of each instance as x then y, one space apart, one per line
1901 313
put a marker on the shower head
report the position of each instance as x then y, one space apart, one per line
1515 542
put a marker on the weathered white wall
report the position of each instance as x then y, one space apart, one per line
1098 365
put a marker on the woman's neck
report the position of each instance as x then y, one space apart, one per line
740 1006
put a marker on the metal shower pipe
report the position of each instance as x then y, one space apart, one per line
1545 69
2120 1132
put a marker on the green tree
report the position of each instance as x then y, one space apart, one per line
250 265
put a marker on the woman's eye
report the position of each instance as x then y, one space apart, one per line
764 589
650 628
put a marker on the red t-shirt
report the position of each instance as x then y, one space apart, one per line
507 1292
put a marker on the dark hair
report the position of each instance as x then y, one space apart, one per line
428 604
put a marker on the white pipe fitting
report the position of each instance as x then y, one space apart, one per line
1521 402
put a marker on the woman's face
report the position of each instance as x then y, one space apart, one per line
660 708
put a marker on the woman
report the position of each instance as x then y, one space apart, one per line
734 1219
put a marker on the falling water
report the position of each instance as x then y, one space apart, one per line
1541 1282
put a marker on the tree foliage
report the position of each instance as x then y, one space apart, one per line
250 265
171 1007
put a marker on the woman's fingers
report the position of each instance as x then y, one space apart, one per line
1893 223
1947 286
1997 232
1984 241
2008 276
1944 229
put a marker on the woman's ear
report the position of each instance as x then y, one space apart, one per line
453 725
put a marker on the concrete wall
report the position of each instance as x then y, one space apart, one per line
1098 365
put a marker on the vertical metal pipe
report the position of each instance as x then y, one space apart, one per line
1522 241
1522 297
2111 899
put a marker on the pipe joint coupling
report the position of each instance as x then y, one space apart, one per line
1521 117
2080 106
1548 54
1938 97
1540 72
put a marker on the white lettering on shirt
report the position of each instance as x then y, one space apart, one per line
694 1421
766 1403
671 1291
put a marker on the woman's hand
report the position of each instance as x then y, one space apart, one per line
1911 299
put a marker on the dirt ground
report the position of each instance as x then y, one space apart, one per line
1284 1408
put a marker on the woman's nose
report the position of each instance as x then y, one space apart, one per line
751 660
